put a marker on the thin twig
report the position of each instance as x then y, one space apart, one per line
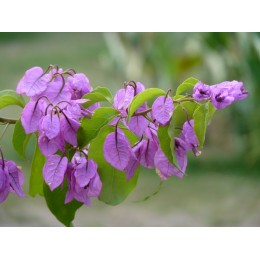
8 120
183 99
143 113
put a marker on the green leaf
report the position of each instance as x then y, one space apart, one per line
172 142
115 187
65 213
20 139
165 141
91 126
36 178
211 112
98 95
9 98
142 97
167 144
182 113
186 85
200 122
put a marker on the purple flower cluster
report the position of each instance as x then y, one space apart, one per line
144 123
54 111
81 174
221 95
11 179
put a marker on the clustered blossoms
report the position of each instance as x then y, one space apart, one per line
145 122
54 111
221 95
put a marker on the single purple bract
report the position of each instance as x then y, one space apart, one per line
4 185
131 167
134 161
69 128
31 116
34 82
49 147
129 95
117 149
54 170
138 124
16 178
11 179
50 126
181 153
139 88
162 110
119 99
123 98
148 150
151 133
189 137
95 186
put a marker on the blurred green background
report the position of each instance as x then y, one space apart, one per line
222 186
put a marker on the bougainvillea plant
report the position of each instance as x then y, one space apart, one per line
91 144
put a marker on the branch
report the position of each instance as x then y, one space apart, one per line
142 113
183 99
7 120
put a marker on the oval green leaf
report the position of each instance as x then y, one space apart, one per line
65 213
36 178
20 139
90 127
98 95
211 112
9 98
186 85
200 122
166 140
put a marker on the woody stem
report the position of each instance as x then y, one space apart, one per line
7 120
2 157
183 99
142 113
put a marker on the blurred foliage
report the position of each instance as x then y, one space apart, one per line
166 59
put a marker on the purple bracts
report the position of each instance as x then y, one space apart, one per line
222 94
162 110
11 179
226 93
201 91
117 149
84 181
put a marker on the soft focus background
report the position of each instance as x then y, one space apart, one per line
222 186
